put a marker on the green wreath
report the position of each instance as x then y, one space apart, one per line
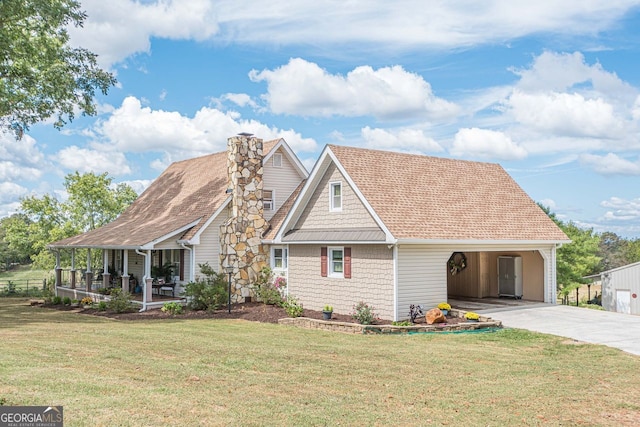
457 262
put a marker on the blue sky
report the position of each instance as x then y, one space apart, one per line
551 91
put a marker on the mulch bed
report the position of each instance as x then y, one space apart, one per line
252 311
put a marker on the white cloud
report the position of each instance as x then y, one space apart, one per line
486 144
138 129
303 88
10 192
406 140
20 160
120 28
621 209
611 164
138 185
565 114
550 203
240 99
85 160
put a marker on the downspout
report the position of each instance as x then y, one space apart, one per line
144 280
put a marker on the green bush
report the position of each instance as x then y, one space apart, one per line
56 300
66 301
172 308
363 313
402 323
209 293
266 290
120 302
102 306
292 307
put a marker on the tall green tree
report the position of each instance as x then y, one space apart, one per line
18 252
93 201
577 259
41 75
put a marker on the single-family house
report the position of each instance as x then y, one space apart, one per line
386 228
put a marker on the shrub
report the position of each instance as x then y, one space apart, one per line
328 308
363 313
209 293
403 323
102 306
75 301
269 291
120 302
86 301
56 300
292 307
66 301
172 308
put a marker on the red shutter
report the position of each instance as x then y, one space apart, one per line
181 264
323 261
347 263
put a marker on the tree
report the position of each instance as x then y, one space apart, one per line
18 252
93 201
41 76
577 259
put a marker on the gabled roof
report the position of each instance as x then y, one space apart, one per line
419 198
177 204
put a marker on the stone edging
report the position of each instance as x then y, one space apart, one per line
356 328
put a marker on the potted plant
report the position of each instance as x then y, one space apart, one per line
327 311
444 307
471 316
87 302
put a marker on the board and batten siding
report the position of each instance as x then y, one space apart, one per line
371 279
422 277
208 251
317 215
281 180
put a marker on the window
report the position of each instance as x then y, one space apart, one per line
277 160
267 200
279 257
335 195
336 262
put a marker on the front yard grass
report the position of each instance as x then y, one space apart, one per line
223 372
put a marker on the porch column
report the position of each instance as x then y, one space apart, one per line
125 271
106 276
148 280
88 275
58 269
72 273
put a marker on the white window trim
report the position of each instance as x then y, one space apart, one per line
332 184
285 258
330 272
273 200
278 163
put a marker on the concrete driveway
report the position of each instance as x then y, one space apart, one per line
593 326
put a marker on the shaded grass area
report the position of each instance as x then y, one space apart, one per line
230 372
23 273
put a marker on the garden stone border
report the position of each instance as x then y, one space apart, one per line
356 328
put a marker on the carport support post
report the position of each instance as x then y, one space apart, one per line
577 295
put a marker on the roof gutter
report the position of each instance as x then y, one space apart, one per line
480 242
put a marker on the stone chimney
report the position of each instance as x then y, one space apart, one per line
241 236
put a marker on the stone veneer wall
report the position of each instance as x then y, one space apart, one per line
371 282
241 236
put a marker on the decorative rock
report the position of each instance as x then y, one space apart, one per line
435 316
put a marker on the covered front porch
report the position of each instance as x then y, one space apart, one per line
151 276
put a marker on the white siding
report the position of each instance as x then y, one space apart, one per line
208 251
170 243
625 278
282 180
422 277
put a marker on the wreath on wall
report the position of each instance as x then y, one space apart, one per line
457 263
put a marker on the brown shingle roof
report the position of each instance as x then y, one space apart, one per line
421 197
187 191
278 218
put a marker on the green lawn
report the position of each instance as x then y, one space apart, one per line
212 372
23 277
